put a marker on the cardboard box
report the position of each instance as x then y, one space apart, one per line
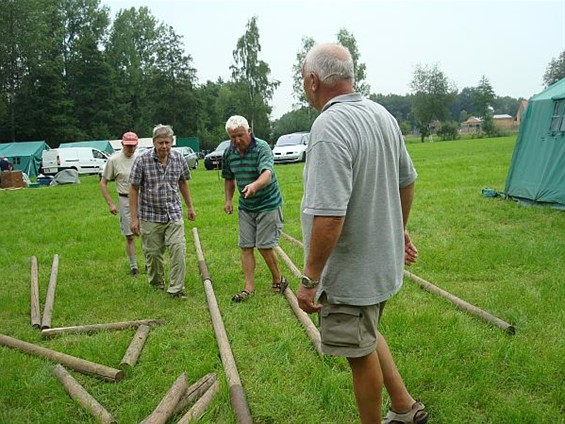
12 179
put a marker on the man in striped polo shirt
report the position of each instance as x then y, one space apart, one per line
249 163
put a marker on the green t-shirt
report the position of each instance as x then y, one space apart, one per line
246 169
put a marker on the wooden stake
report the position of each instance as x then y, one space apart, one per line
35 314
195 391
165 409
237 394
93 328
50 298
311 330
72 362
79 394
510 329
201 404
293 240
135 347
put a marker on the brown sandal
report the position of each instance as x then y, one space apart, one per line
242 296
280 286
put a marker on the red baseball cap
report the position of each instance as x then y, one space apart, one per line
130 139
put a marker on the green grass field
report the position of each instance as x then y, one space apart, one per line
504 258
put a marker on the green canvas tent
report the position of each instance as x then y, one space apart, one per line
103 145
537 169
25 155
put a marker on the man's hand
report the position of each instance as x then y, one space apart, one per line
228 208
112 208
249 190
191 213
410 251
134 226
305 299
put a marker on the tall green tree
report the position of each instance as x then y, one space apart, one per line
171 84
21 30
131 51
297 86
483 99
555 70
347 40
251 77
433 95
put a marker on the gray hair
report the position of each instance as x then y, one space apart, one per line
161 130
235 122
331 62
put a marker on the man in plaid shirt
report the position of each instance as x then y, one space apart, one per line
156 179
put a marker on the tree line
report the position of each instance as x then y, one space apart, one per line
69 73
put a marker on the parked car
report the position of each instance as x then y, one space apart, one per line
189 155
291 147
85 160
213 160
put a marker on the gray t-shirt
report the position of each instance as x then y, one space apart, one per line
356 163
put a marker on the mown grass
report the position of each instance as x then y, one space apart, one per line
495 254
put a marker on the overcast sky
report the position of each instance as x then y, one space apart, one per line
510 42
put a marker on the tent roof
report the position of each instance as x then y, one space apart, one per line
98 144
22 148
553 92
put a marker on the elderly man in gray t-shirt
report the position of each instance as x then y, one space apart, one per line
358 190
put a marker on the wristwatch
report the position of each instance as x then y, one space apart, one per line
309 283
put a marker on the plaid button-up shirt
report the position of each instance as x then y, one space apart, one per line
159 197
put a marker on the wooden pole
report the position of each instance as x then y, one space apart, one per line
72 362
93 328
135 347
311 330
79 394
237 394
201 404
292 239
35 314
195 391
510 329
50 298
165 409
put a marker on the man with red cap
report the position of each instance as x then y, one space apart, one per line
118 169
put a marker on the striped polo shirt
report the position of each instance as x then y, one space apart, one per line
246 169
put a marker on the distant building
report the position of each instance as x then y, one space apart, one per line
472 124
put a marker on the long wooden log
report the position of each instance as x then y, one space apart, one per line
237 394
72 362
510 329
165 409
201 404
93 328
34 294
195 391
136 346
79 394
292 239
311 330
50 298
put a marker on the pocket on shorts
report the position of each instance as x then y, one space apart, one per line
340 325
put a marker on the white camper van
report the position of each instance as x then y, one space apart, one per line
85 160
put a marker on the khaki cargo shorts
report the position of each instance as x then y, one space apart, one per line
349 330
260 229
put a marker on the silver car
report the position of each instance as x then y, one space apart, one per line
189 155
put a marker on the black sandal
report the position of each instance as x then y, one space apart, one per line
280 286
242 296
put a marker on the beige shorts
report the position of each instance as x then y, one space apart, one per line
260 229
124 216
349 330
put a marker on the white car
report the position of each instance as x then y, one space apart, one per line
291 147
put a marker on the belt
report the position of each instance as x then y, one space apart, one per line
122 195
